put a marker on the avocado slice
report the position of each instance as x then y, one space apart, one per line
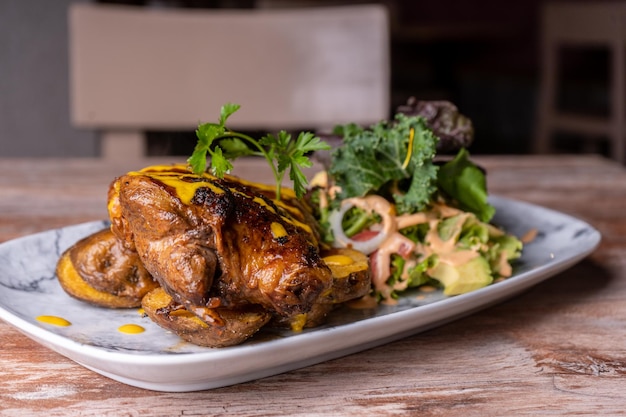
470 276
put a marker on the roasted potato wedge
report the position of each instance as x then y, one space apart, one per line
226 327
100 271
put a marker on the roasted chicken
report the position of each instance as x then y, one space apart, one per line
228 258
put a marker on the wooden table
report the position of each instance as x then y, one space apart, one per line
558 349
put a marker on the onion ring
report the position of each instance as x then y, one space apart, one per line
372 203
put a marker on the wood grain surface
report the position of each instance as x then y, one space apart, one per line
558 349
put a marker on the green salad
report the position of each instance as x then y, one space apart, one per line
421 220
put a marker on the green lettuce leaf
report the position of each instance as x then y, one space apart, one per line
465 182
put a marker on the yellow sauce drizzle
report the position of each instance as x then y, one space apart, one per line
184 190
54 320
291 209
338 260
172 176
188 315
263 203
298 322
131 329
278 230
299 224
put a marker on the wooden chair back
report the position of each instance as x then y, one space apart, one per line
134 69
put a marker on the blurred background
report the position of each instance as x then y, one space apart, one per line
483 55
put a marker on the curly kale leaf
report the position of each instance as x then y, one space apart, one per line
387 158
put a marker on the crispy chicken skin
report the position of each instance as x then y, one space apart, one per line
220 242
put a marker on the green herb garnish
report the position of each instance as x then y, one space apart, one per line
462 180
387 158
281 152
395 159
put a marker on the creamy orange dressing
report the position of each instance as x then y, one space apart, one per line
446 250
503 267
439 211
447 211
529 236
54 320
363 303
371 203
408 220
131 329
403 284
396 243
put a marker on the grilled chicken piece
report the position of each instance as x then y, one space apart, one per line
214 243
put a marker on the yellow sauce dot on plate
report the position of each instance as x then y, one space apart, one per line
54 320
131 329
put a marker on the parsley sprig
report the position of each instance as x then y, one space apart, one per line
281 152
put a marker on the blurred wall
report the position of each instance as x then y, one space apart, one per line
34 97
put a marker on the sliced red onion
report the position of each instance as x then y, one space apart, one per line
370 203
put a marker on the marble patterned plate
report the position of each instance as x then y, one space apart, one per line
158 360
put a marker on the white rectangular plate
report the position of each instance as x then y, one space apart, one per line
158 360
